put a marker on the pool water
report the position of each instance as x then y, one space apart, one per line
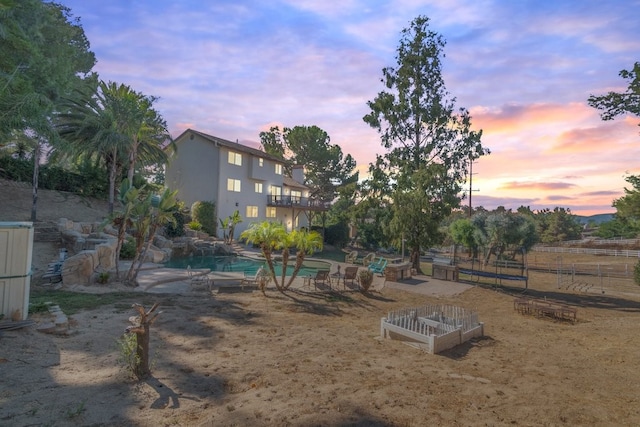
245 265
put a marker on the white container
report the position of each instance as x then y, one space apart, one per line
16 252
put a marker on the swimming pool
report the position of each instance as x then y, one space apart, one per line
245 264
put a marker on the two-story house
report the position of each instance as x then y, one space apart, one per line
238 177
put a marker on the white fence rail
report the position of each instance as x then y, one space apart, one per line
591 251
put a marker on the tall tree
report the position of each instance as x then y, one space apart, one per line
430 144
44 54
614 104
118 123
327 169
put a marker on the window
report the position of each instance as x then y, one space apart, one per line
260 162
296 196
235 158
233 185
252 212
274 190
271 212
278 169
258 187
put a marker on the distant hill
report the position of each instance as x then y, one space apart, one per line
596 219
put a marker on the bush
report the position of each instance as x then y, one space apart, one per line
365 277
337 234
128 249
181 217
205 214
636 274
195 225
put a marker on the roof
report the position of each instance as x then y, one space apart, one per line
234 146
290 182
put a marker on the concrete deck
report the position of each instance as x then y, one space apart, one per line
156 279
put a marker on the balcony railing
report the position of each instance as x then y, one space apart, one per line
298 202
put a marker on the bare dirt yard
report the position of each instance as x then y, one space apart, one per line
316 359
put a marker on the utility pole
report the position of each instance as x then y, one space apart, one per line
471 190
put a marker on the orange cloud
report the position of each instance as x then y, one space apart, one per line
540 186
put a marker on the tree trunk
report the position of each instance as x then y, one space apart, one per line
141 329
415 260
112 180
34 180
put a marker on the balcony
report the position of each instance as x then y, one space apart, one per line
298 202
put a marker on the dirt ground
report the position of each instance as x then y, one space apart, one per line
317 359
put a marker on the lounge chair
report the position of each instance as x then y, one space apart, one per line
350 275
368 259
379 268
375 263
253 280
198 278
321 278
351 257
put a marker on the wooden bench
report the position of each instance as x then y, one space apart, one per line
543 308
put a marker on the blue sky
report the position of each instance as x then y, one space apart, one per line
524 69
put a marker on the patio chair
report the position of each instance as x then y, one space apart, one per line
351 257
350 275
379 268
368 259
252 280
321 278
375 263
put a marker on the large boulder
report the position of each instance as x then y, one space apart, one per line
77 270
107 254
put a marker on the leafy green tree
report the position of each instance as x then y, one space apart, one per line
615 104
463 233
44 54
501 231
627 219
327 171
430 144
557 226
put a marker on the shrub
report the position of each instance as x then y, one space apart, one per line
365 277
128 250
195 225
177 229
205 214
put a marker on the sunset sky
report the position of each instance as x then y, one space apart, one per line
524 69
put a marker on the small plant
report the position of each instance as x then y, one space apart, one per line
365 277
128 250
636 274
77 411
194 225
129 359
103 277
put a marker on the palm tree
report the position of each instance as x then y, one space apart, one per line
268 235
306 243
234 220
116 122
161 213
271 236
128 197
